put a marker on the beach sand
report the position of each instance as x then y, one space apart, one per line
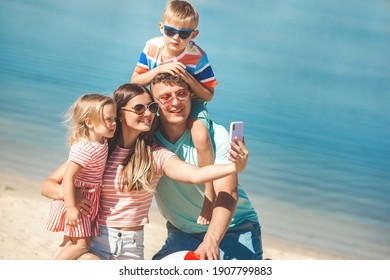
22 235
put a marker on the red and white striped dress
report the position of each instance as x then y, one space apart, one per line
92 157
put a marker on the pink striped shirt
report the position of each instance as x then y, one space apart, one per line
119 209
92 157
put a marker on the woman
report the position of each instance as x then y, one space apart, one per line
132 171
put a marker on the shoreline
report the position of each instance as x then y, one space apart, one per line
22 235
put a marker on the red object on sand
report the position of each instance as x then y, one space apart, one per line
191 256
182 255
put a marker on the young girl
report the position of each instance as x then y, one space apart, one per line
91 121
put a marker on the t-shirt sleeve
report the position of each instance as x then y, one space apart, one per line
160 156
80 154
142 64
204 72
148 58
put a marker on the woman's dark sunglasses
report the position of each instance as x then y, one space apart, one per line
140 109
183 33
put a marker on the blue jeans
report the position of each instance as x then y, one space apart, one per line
242 242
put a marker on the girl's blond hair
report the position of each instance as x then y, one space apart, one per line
88 106
138 167
181 11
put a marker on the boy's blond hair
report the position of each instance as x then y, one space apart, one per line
181 11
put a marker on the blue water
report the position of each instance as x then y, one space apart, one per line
311 80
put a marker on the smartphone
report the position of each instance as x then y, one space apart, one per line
237 129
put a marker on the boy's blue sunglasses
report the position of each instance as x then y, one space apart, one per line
183 33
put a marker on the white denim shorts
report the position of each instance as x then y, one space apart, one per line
113 244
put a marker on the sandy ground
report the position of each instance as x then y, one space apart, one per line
22 236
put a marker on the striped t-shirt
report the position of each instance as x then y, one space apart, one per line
193 57
119 209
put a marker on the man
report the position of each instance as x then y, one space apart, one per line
234 230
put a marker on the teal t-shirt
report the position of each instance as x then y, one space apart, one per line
181 203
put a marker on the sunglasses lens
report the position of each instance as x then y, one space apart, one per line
139 109
184 34
153 107
170 32
182 94
166 98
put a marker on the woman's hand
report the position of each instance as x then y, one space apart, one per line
83 204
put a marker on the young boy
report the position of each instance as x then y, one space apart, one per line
176 53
